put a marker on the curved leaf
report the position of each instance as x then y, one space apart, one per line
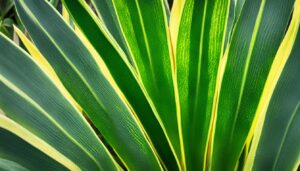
145 27
21 146
83 78
255 40
30 98
124 77
107 14
199 49
280 112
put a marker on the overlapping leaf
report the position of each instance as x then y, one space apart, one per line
144 26
107 15
198 51
127 79
189 101
15 151
81 74
31 99
276 142
255 40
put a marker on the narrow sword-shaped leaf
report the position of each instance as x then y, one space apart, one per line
199 49
280 151
40 59
145 27
83 78
124 77
19 145
30 98
107 14
255 40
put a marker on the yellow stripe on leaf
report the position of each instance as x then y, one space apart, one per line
273 77
45 66
175 18
35 141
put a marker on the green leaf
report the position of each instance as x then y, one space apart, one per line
230 22
239 4
31 99
276 141
236 7
5 7
21 146
23 154
279 144
198 52
82 76
7 165
255 40
145 27
107 14
124 76
54 3
167 9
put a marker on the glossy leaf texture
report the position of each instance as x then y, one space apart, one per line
255 40
279 144
23 151
144 25
276 142
83 77
132 85
30 98
125 78
198 52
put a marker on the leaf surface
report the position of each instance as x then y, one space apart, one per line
255 40
198 51
125 77
83 77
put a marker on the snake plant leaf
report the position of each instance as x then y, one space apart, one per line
145 27
22 150
82 76
276 142
30 98
197 58
124 76
255 40
8 165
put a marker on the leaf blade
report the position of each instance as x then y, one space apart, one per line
24 89
249 59
12 133
197 59
75 65
275 113
124 76
152 57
